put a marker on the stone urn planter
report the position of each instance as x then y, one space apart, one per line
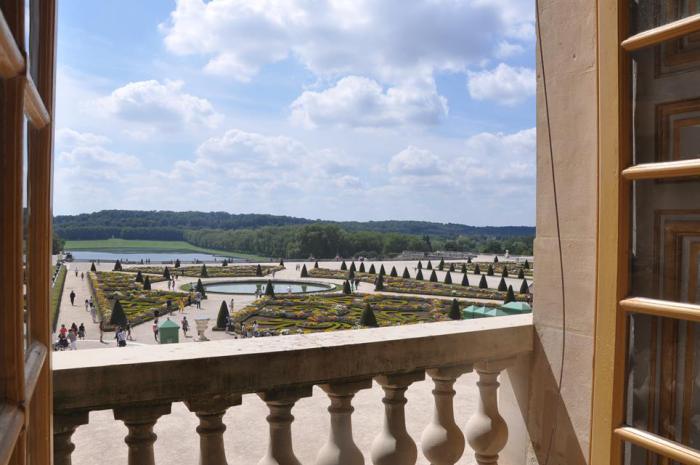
201 323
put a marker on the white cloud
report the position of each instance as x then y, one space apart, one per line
162 105
504 84
508 49
361 102
414 161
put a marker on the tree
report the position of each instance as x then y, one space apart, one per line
441 265
93 268
521 274
343 266
269 289
504 273
510 296
382 270
316 264
147 284
477 269
420 265
225 262
203 272
393 273
455 312
222 317
282 262
448 278
118 317
464 268
433 277
351 274
482 283
524 288
166 273
372 270
258 270
469 259
495 258
200 288
177 263
502 285
429 266
346 288
362 267
379 284
304 272
452 267
352 267
526 264
406 274
117 266
367 318
419 275
139 277
465 280
489 271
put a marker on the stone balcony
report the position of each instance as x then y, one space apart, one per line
140 384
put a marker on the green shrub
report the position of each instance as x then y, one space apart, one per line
477 269
351 274
147 284
465 280
482 283
382 271
455 312
419 275
204 273
258 270
177 263
281 261
372 270
406 274
420 265
343 266
489 271
448 278
510 296
433 277
352 267
464 268
502 285
441 265
495 258
524 288
429 266
225 262
379 285
362 267
222 316
117 266
304 272
393 272
469 259
118 317
200 288
93 268
269 289
452 267
368 318
316 264
346 288
521 274
526 265
139 277
166 273
504 273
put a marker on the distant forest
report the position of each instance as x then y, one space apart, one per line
289 237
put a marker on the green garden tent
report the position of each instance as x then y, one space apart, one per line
168 332
515 308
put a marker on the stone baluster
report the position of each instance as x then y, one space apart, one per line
140 419
487 432
210 412
64 425
280 403
442 440
393 445
340 448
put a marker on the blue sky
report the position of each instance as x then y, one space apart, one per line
338 109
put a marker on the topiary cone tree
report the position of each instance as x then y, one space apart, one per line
367 318
177 263
269 289
455 313
419 275
510 296
526 265
362 268
117 266
352 267
343 266
406 274
139 277
147 284
203 272
441 265
93 268
448 278
477 269
316 264
118 317
382 270
346 288
502 285
379 285
258 270
166 273
433 277
393 273
372 270
465 280
429 266
452 267
281 261
222 317
482 283
420 265
351 274
521 274
464 268
304 272
524 288
200 288
495 258
225 262
489 271
504 273
469 259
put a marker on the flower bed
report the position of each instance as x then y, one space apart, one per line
331 312
138 304
213 271
513 267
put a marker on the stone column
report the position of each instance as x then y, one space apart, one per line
140 419
210 412
341 448
280 403
487 432
64 425
393 445
442 440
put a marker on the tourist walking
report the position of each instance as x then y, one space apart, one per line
72 297
128 331
81 331
62 331
87 305
155 330
185 325
72 338
82 276
120 336
102 330
74 328
181 305
93 312
231 307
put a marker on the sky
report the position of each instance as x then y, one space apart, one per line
336 109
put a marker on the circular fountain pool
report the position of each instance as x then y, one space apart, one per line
259 285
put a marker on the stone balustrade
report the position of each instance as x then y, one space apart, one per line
139 384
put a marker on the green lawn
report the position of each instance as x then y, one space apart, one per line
138 246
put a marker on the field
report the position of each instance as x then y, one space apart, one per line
118 246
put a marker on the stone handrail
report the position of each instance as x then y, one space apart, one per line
140 383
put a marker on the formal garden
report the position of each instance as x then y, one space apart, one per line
135 298
330 312
211 271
